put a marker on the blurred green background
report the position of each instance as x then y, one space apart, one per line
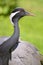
31 28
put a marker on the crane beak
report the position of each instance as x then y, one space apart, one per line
29 14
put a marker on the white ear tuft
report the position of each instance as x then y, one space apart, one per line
11 16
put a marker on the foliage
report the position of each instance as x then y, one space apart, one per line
6 6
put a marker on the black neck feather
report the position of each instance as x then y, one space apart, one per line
12 40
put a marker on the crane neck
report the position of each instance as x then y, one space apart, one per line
8 44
